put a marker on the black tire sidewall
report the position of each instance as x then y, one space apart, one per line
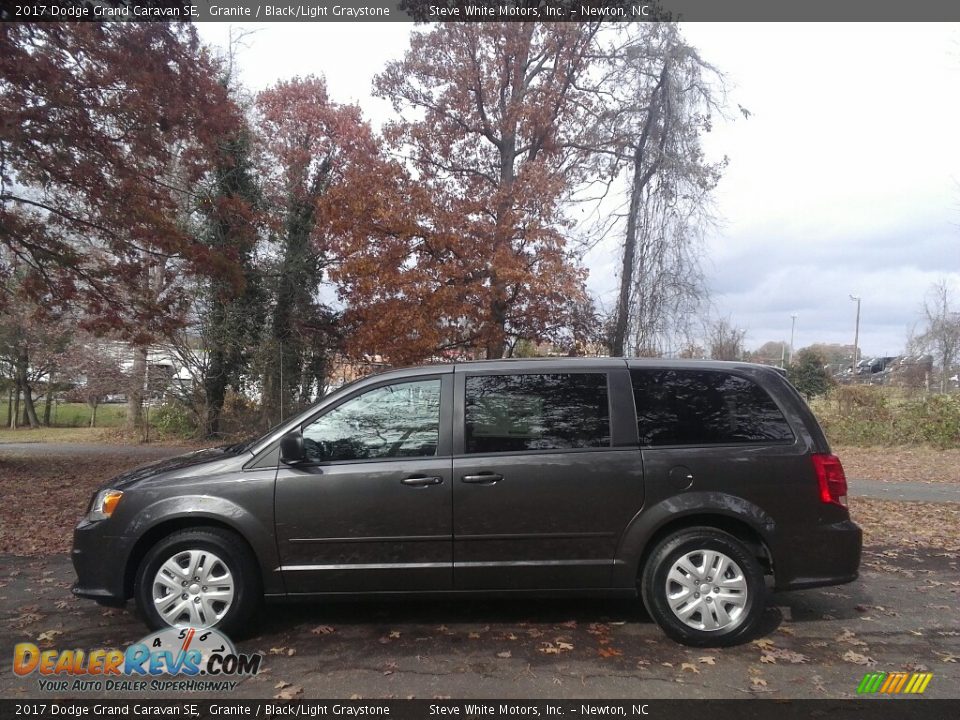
228 549
654 579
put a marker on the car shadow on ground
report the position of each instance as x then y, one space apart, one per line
278 618
278 615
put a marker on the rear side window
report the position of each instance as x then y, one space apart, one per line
517 413
704 407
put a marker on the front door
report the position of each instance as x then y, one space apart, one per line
543 484
371 510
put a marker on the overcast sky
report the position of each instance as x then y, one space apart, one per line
844 180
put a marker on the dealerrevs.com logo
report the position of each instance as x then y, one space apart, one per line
171 660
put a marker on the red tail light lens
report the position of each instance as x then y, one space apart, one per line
830 477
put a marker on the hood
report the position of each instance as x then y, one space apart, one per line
217 459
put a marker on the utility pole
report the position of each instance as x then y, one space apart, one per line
856 337
793 326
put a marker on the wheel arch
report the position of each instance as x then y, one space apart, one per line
168 526
731 514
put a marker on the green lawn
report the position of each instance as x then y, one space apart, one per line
76 414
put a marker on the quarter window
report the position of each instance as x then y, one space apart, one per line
693 407
393 421
516 413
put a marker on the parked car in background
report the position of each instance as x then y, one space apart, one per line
687 484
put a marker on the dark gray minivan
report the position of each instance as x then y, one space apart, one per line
685 483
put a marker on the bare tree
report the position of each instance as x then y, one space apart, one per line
724 341
941 337
96 370
663 98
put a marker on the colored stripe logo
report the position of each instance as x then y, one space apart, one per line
894 683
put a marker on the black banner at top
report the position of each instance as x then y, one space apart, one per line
478 10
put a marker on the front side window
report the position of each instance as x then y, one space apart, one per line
704 407
393 421
517 413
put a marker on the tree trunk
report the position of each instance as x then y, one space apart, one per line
296 283
215 391
93 415
47 400
29 411
135 422
497 342
639 180
618 348
15 416
10 408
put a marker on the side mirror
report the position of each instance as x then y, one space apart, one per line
291 448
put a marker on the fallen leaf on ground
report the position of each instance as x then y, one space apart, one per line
858 659
789 656
506 654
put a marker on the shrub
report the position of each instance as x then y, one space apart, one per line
808 375
174 419
869 415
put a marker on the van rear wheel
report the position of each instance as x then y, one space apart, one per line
704 587
201 578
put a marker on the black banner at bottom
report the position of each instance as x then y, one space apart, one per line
877 708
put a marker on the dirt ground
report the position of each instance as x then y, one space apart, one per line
901 615
912 464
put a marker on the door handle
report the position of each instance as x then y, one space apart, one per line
422 481
482 479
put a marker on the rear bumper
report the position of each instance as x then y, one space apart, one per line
827 555
99 560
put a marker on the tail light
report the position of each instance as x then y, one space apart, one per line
830 478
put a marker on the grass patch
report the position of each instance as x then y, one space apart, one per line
77 415
64 435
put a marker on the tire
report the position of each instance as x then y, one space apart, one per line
675 576
226 594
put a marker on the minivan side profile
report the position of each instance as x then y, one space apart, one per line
685 483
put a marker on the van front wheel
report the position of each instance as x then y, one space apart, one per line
704 587
204 577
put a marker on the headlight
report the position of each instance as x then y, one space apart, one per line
104 504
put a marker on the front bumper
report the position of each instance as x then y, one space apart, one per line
826 555
100 559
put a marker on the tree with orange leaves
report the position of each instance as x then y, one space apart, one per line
320 168
477 254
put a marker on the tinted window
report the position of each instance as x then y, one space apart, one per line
401 420
688 407
513 413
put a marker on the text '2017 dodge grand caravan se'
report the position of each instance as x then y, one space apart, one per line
683 482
